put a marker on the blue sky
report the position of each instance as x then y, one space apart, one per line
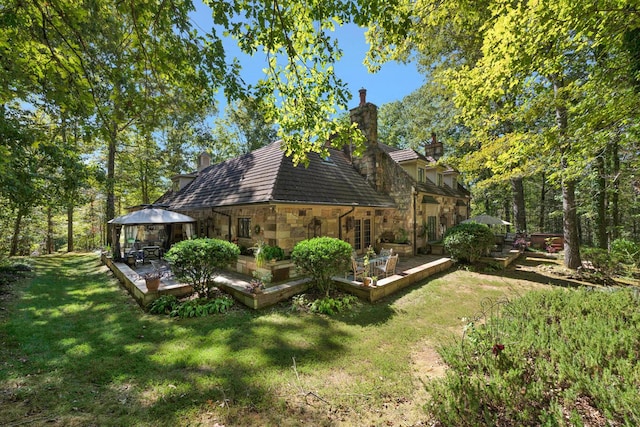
392 83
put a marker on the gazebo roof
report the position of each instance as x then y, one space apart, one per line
152 216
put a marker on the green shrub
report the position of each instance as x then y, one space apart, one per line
163 305
322 258
331 306
202 307
625 251
599 258
550 358
198 261
272 252
467 242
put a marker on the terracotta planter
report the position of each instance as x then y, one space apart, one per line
366 282
153 284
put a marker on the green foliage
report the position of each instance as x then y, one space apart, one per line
272 252
165 304
331 306
197 261
202 307
600 259
625 251
521 368
322 258
403 236
468 241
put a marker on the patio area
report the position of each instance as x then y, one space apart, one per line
409 270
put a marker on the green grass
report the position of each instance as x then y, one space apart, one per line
76 350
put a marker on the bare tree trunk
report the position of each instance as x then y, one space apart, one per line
519 213
543 192
16 233
49 244
570 216
601 200
110 184
70 228
615 195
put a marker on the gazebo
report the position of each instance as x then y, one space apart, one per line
149 232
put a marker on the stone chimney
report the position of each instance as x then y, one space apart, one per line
434 149
366 116
204 161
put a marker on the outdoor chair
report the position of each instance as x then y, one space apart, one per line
358 269
389 267
386 253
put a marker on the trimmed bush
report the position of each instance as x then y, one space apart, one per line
322 258
467 242
198 261
272 252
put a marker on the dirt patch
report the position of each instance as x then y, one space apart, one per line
427 363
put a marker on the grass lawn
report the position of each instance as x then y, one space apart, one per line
76 350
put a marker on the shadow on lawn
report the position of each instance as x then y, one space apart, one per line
79 351
533 270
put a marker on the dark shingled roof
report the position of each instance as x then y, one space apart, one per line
267 175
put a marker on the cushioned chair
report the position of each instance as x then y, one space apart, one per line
389 267
386 252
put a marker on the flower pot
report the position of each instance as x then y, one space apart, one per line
366 282
152 284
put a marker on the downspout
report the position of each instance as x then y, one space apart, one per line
415 218
353 208
228 217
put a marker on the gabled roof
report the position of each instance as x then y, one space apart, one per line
267 175
400 155
409 154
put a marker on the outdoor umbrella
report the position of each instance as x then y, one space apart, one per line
487 219
152 216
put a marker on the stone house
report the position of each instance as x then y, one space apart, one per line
387 196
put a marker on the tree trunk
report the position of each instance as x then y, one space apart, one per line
519 213
615 195
49 244
110 184
70 228
570 216
601 199
543 192
16 233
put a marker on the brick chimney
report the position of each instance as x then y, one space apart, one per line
434 149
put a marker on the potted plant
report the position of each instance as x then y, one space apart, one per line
152 277
368 280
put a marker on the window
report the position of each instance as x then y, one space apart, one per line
431 228
420 175
440 180
357 240
244 227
